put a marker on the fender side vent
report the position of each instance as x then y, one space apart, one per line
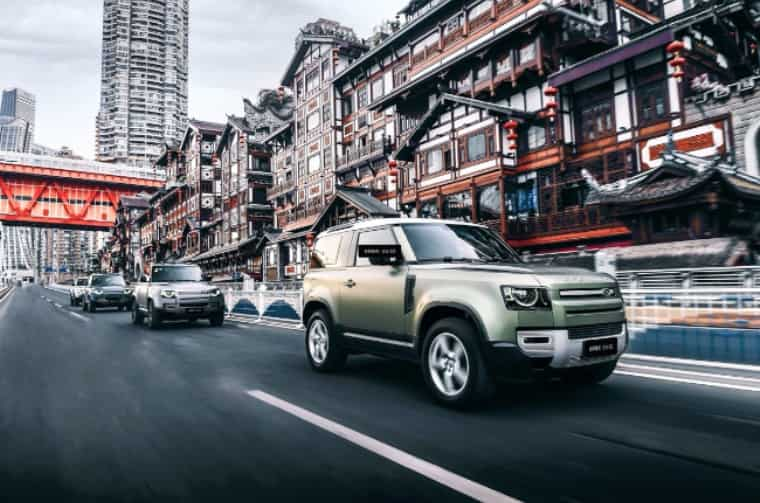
411 281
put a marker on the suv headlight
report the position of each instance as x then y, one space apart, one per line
128 291
97 291
168 294
525 297
214 293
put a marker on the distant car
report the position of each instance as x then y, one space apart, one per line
106 290
76 293
177 292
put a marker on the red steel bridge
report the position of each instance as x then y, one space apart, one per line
56 192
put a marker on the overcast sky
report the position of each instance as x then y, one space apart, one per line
52 49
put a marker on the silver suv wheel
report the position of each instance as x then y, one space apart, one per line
319 341
449 364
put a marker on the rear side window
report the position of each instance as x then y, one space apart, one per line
326 251
376 237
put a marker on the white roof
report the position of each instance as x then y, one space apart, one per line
382 222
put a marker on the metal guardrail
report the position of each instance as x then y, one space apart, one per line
44 161
274 305
709 277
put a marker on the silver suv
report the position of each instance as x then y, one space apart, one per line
457 299
176 292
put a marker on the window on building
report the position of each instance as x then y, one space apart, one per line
573 195
362 99
527 53
594 113
326 69
479 9
521 196
483 72
436 160
534 137
312 122
429 209
347 105
458 206
378 89
476 147
489 204
400 75
312 81
651 94
326 115
315 163
504 63
376 237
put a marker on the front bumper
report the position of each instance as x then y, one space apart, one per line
111 300
183 309
544 351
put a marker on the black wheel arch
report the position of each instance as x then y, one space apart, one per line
436 311
314 305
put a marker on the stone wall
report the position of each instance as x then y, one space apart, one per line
740 100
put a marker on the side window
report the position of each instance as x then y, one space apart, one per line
376 237
326 251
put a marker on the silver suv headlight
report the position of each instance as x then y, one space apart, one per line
97 291
168 294
518 297
214 293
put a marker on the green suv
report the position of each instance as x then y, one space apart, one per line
457 299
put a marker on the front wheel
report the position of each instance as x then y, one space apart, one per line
323 348
154 317
137 315
217 319
453 366
91 307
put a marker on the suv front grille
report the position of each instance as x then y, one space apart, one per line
590 331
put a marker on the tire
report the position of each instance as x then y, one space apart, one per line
154 318
323 348
71 301
91 307
217 319
453 365
593 374
84 304
137 316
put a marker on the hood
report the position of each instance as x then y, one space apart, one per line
110 289
552 277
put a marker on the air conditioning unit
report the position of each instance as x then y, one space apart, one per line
207 174
207 202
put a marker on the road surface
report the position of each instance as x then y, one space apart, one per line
95 409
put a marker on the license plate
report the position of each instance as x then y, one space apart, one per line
195 310
600 347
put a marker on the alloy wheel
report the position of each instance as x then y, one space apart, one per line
319 341
448 364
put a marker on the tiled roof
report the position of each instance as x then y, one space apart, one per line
134 202
364 201
205 126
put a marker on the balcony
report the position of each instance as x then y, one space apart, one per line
283 188
588 218
303 214
366 153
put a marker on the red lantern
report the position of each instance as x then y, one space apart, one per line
551 91
677 61
309 239
510 124
512 136
551 114
393 163
551 104
675 47
513 146
393 172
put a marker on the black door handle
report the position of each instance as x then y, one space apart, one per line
350 283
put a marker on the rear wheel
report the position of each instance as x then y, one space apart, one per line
453 366
323 348
154 316
71 301
91 307
137 315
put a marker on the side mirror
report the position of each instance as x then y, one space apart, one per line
382 254
206 277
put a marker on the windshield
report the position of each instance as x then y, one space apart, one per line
451 242
108 281
173 274
82 282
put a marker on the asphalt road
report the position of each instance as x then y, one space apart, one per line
94 409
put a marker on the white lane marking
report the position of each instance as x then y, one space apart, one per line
59 306
426 469
79 316
688 372
695 363
688 381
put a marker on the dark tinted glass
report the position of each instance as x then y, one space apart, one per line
326 251
171 274
108 281
434 242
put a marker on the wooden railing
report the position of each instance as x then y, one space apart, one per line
580 219
359 153
281 188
